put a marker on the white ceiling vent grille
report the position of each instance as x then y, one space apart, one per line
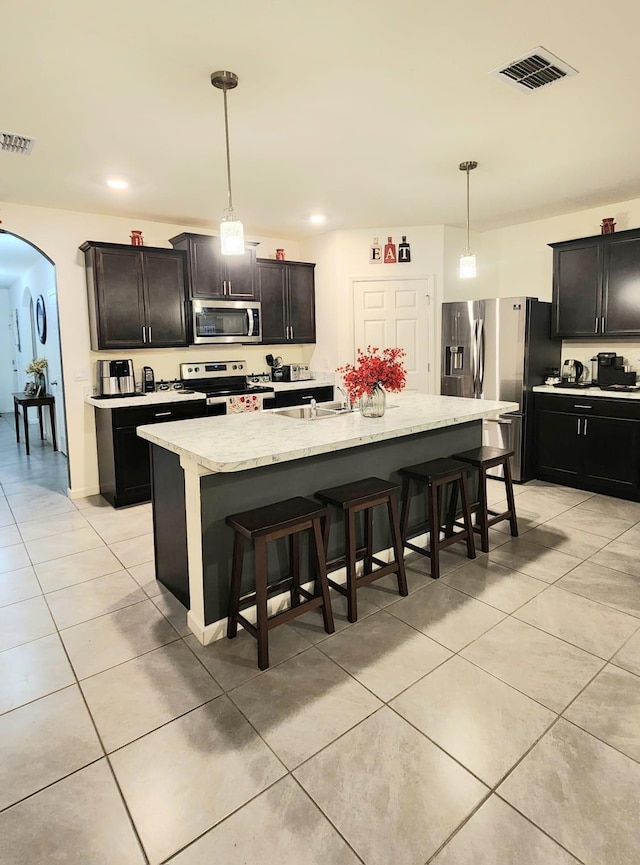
534 70
12 143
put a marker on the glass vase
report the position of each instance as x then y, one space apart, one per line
375 403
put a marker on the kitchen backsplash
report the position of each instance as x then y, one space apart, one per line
586 349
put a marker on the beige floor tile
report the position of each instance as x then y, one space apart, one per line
13 557
44 741
308 692
606 585
629 655
567 539
134 551
498 834
18 586
631 536
9 535
483 723
587 624
94 598
588 520
232 662
33 670
145 577
537 664
67 522
63 544
609 708
104 642
304 836
76 568
173 611
91 502
311 625
119 525
206 764
80 819
384 654
494 584
42 511
450 617
619 556
450 559
611 507
377 783
140 695
23 622
534 560
583 793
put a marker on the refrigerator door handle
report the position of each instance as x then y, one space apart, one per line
474 358
481 357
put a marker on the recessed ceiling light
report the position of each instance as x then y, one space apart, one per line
317 218
117 183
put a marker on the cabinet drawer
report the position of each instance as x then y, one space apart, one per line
583 405
158 413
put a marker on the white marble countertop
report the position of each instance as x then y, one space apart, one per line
159 397
587 392
237 442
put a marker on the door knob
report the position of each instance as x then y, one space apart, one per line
53 382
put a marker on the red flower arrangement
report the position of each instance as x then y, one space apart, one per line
373 369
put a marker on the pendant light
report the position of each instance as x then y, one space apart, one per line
467 259
231 230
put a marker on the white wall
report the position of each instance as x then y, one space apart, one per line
523 264
59 233
343 256
7 352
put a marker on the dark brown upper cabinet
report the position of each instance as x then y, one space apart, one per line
596 286
137 296
287 296
212 274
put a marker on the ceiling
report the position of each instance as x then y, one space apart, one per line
360 109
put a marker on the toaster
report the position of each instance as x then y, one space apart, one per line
296 372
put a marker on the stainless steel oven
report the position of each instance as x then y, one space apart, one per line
225 321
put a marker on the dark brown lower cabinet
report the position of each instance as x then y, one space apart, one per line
589 443
123 457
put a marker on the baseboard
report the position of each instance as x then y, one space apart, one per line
83 492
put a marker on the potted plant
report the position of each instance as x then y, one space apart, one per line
36 368
374 372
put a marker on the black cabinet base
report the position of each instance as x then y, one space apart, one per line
604 487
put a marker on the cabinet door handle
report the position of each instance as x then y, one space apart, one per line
602 325
224 287
286 330
291 331
229 287
584 429
162 414
144 334
578 426
595 329
149 333
576 405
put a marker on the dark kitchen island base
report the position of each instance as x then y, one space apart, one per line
193 544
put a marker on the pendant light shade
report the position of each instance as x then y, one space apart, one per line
467 259
231 229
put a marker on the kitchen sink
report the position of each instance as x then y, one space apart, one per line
303 412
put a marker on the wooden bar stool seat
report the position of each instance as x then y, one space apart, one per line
432 476
364 495
483 459
286 519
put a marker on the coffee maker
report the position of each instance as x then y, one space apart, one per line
611 370
115 377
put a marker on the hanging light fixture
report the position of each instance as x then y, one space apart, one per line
231 230
467 259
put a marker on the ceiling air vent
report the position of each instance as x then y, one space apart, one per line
534 70
12 143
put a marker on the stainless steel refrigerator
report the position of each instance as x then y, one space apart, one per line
499 349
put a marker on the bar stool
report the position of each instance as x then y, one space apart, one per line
364 495
285 519
434 475
483 459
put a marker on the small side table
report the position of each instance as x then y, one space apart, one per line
26 401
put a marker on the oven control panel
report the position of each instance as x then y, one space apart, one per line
212 369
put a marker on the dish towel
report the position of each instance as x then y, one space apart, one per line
250 402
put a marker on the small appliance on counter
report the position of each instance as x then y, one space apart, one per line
572 371
611 372
148 380
275 363
258 378
115 378
296 372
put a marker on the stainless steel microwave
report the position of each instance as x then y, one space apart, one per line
225 321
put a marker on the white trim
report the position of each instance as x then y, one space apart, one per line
83 492
192 474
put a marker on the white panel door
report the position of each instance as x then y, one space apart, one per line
396 313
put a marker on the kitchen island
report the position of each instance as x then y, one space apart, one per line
208 468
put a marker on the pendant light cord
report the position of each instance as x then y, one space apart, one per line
226 134
468 245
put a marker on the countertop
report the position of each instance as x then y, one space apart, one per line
238 442
159 397
587 392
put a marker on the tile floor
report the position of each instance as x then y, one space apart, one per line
491 717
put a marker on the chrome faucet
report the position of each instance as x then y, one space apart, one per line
346 402
313 405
